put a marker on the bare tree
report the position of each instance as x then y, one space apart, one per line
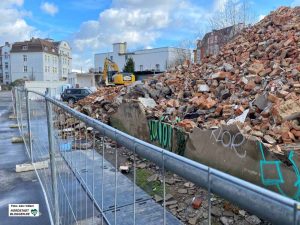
183 52
234 12
185 49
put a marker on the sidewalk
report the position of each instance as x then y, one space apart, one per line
18 188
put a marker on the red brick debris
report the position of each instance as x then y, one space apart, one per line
256 74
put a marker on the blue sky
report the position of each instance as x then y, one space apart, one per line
91 26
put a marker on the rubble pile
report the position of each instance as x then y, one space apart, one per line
102 103
254 80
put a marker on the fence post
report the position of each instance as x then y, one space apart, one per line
13 92
16 103
29 125
52 159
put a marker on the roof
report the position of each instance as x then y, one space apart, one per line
35 45
142 50
224 33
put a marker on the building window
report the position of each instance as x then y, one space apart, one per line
24 47
141 68
111 58
6 75
5 55
25 58
25 69
6 65
157 67
47 58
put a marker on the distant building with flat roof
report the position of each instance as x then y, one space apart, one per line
155 59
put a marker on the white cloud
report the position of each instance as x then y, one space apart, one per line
219 5
9 3
260 17
139 23
13 25
49 8
296 3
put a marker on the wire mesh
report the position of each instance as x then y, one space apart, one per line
75 204
99 181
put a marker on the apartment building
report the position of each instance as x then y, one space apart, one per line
213 41
40 60
5 75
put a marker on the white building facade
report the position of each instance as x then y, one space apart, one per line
5 74
40 60
156 59
65 59
81 80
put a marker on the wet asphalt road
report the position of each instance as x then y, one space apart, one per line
16 188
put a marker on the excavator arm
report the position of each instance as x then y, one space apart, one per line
109 66
113 76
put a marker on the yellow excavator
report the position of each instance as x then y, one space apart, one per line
112 75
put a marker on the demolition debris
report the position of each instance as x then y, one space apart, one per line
253 82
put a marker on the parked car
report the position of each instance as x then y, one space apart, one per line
72 95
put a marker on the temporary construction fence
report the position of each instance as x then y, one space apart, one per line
83 185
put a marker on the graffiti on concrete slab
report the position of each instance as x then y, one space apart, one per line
278 180
229 140
161 132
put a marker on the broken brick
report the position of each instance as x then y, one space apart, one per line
255 68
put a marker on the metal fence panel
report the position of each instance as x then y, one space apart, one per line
83 184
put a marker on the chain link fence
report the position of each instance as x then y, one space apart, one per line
77 161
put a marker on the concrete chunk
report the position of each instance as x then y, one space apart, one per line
147 102
30 167
16 140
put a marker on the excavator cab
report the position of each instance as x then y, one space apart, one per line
123 78
110 76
